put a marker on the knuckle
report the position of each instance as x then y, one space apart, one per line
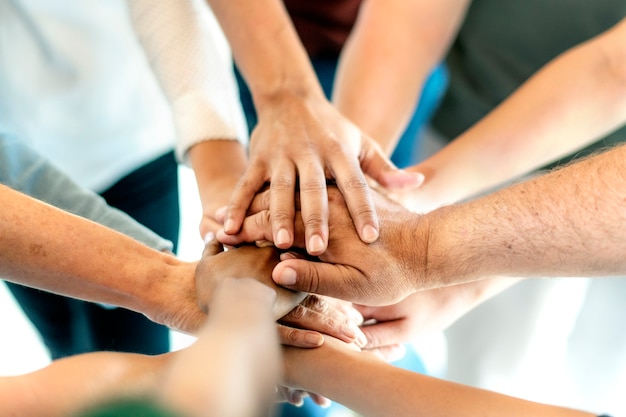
355 182
281 215
290 335
317 303
313 185
298 313
282 183
313 220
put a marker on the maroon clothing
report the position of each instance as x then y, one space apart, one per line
323 25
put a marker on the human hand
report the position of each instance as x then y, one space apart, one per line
387 328
218 195
302 318
217 165
233 367
373 274
303 142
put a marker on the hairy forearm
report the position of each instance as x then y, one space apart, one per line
266 48
576 99
391 51
47 248
566 223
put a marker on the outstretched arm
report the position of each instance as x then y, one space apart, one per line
50 249
230 370
565 223
301 139
374 388
574 100
391 51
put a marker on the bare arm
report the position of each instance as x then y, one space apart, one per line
392 49
577 98
374 388
301 139
230 370
566 223
44 247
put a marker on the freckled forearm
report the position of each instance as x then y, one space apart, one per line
50 249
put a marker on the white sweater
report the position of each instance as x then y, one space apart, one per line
83 81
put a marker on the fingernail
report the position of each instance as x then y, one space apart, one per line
349 331
229 226
282 237
361 340
314 339
208 237
288 277
316 244
326 403
370 234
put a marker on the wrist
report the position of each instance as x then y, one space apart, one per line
451 255
287 94
167 294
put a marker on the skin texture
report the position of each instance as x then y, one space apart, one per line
229 371
577 98
126 273
292 309
301 140
339 372
218 165
402 38
568 216
543 120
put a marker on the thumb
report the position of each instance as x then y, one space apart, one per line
212 247
375 164
319 278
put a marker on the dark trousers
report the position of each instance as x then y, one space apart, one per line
68 326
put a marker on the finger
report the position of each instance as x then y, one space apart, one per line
260 202
344 307
314 207
256 227
292 396
357 194
375 164
385 333
390 353
307 339
335 280
315 314
282 206
220 214
212 247
252 181
320 400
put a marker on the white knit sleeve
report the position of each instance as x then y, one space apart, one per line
192 61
